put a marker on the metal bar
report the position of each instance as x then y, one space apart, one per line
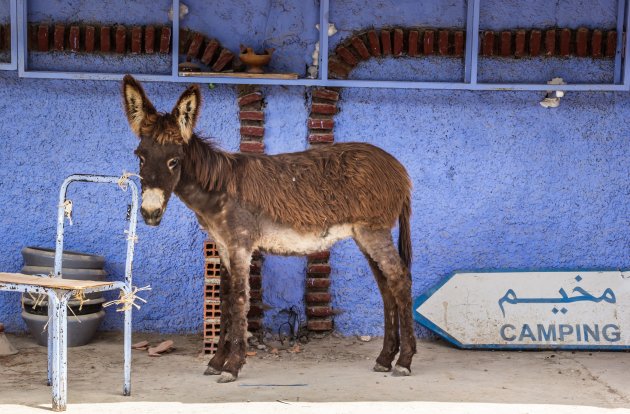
621 10
470 15
175 40
474 43
324 8
93 76
626 60
58 301
22 26
343 83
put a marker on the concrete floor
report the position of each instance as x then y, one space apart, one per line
331 374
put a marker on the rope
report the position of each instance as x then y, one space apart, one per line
122 181
67 210
130 236
127 300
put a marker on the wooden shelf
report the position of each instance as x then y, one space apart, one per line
239 75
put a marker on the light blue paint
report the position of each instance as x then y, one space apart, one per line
499 181
104 11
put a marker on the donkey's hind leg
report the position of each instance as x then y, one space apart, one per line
391 340
223 347
380 246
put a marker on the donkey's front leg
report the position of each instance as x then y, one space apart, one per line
240 261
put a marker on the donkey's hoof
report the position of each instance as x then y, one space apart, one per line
226 377
211 371
379 368
400 371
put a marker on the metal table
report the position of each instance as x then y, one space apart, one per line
60 291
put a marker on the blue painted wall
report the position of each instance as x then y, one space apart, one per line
499 181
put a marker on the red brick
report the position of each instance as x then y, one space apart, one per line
319 325
90 39
149 39
611 43
255 282
488 43
319 123
185 37
195 45
323 108
360 47
412 43
458 40
225 57
249 98
347 56
255 311
319 256
121 39
550 42
58 37
252 146
32 32
105 39
317 297
534 42
327 94
319 311
428 42
317 283
209 52
596 43
565 42
321 138
73 39
338 69
443 42
254 325
374 43
519 43
255 295
251 115
386 42
42 38
252 131
506 43
581 39
398 42
2 33
320 269
165 39
136 40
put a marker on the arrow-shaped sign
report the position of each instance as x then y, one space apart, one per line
530 310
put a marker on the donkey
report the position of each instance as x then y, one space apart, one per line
286 204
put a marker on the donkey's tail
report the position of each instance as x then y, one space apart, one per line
404 233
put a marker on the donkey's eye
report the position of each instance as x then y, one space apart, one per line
141 158
173 162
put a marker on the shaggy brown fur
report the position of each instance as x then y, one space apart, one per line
289 203
314 189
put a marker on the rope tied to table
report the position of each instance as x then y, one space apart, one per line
67 210
128 300
124 178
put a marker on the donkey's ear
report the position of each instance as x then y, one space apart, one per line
137 105
186 111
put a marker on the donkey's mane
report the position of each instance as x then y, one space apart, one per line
313 189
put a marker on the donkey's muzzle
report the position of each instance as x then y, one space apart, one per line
152 217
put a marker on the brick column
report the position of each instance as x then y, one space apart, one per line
211 298
317 297
252 119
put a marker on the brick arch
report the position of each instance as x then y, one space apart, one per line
517 43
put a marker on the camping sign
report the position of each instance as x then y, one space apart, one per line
530 310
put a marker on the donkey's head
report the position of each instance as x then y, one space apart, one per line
162 140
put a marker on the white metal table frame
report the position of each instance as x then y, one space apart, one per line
58 298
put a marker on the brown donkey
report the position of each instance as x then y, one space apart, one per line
284 204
